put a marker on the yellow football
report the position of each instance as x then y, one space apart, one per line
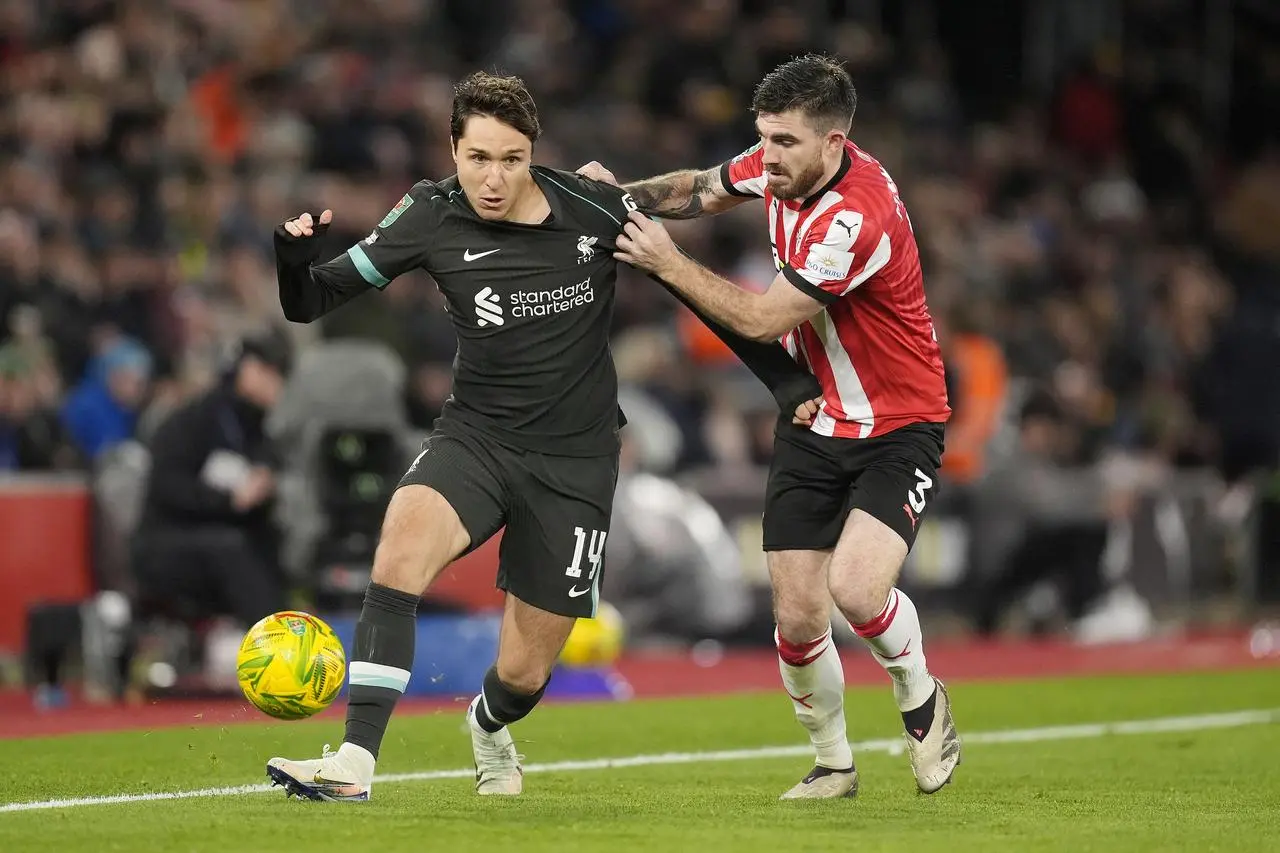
291 665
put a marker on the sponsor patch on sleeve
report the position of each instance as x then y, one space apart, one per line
828 264
395 212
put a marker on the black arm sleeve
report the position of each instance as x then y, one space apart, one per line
789 383
309 292
394 247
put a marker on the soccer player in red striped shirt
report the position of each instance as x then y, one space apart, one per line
847 489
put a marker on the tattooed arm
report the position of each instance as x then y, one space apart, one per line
683 195
677 195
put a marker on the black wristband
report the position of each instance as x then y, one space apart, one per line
791 392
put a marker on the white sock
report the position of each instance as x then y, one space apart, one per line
358 759
814 679
896 642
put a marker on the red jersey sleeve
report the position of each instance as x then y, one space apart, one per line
744 174
842 249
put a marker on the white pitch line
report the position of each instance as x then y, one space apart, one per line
1158 725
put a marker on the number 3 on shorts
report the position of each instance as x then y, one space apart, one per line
916 495
595 552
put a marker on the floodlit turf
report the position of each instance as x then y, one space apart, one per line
1209 789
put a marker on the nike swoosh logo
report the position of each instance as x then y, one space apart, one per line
468 257
574 592
902 653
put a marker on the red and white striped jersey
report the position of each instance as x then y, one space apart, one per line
851 247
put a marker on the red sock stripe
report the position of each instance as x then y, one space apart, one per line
801 654
881 623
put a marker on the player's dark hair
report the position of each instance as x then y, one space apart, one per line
817 85
503 98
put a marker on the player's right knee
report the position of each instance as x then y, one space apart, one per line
801 625
801 605
801 614
509 703
421 534
526 679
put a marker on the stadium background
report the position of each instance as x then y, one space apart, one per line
1095 187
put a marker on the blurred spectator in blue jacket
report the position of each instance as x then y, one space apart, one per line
102 410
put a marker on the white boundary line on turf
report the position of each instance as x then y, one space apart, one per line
1199 722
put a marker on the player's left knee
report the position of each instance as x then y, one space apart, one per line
865 566
859 599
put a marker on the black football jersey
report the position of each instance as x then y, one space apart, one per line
532 306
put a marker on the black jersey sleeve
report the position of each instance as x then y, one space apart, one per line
788 382
395 246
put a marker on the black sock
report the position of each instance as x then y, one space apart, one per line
380 663
919 720
500 706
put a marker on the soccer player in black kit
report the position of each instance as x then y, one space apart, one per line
524 257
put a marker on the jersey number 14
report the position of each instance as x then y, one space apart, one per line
594 552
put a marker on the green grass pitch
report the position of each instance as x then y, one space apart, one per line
1199 788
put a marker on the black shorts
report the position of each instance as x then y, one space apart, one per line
556 511
816 480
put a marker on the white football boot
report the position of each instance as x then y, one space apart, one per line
498 769
344 776
935 758
823 783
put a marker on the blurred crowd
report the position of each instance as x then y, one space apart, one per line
1108 242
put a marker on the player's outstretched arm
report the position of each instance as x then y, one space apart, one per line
683 195
398 244
304 295
686 194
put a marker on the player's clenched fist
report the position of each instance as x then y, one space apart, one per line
303 226
645 244
806 412
295 240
